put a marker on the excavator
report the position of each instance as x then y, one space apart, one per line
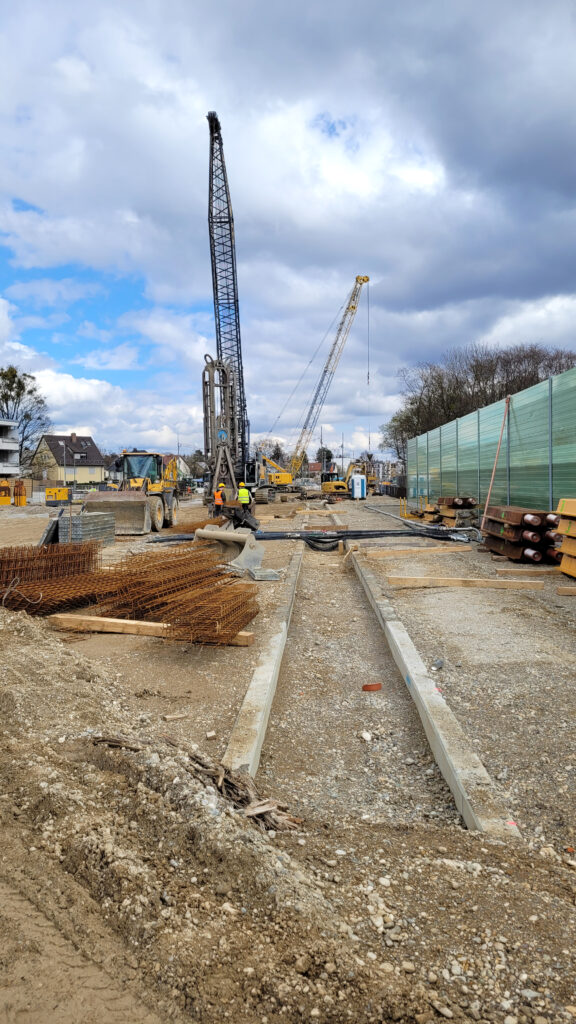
146 498
334 484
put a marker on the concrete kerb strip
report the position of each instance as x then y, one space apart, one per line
470 783
247 736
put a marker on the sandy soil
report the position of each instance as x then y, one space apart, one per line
134 889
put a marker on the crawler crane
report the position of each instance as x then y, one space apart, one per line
326 377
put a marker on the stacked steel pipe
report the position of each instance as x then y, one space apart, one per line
521 534
567 532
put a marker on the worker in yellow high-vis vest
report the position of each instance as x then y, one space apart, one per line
244 496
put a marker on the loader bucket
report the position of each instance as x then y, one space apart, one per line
130 509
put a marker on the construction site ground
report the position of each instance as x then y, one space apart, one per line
133 891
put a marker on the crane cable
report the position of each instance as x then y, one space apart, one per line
304 371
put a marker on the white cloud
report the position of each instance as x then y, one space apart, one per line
123 357
174 336
49 291
549 321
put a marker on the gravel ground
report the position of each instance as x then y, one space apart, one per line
508 674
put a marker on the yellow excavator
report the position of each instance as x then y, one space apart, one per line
146 497
334 484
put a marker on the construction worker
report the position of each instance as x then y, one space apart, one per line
219 496
244 496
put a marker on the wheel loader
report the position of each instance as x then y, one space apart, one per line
146 498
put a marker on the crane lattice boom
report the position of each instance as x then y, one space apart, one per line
224 280
326 377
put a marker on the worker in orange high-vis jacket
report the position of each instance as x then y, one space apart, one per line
219 496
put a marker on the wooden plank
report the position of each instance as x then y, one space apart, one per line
134 627
535 570
568 546
568 591
454 581
242 639
436 549
566 507
568 565
97 624
567 527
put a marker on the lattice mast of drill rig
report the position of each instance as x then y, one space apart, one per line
326 376
225 285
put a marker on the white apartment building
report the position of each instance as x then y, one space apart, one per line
9 447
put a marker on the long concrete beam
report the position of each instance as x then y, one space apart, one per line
471 785
247 736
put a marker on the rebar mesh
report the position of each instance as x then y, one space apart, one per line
31 564
188 589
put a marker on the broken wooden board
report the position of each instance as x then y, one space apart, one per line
567 591
455 581
134 627
435 550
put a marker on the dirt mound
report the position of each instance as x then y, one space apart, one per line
122 838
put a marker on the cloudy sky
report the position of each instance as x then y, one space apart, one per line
430 145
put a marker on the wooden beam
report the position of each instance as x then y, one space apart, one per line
97 624
567 591
449 581
546 571
394 552
134 627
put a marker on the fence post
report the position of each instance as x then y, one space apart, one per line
478 446
550 449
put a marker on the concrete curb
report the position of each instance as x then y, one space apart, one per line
247 736
470 783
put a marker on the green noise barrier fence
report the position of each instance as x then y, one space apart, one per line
537 462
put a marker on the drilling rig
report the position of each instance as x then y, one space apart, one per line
226 424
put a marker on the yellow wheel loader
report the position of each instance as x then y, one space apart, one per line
146 498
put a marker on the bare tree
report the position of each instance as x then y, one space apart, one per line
466 379
20 400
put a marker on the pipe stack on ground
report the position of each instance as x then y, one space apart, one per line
567 531
522 534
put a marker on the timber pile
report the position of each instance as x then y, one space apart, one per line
567 531
521 534
452 510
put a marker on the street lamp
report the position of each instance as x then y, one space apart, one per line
77 456
63 446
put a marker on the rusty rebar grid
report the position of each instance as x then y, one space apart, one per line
31 564
188 589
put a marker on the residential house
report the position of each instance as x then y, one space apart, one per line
68 459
